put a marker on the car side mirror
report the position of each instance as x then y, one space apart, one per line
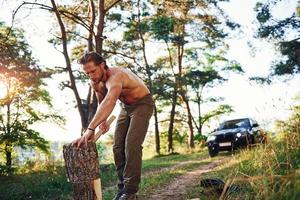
255 125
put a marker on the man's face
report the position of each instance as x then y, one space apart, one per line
93 71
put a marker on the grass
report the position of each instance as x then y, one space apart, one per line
50 184
49 181
269 171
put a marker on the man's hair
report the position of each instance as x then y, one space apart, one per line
94 57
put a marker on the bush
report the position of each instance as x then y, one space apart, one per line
5 170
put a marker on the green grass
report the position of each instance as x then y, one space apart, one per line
170 160
49 181
49 184
265 172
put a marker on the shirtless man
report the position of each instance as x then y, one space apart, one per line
111 84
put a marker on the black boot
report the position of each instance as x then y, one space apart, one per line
128 197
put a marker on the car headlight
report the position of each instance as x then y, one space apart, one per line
211 138
238 135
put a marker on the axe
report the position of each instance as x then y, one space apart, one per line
82 166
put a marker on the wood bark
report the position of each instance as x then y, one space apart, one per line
190 122
100 26
82 165
172 118
8 158
183 93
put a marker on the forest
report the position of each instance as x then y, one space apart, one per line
189 54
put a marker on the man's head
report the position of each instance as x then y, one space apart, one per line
94 65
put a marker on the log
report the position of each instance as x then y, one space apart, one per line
82 165
83 169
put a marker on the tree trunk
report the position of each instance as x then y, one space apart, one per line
68 64
8 147
92 16
157 139
93 104
199 126
148 71
183 93
100 27
8 155
90 107
91 101
190 122
172 117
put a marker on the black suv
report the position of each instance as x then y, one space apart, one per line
233 134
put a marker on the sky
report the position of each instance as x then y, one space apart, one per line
263 103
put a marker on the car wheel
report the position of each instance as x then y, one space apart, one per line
213 150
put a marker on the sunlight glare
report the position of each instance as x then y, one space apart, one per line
2 90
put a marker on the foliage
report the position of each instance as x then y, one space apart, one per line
179 139
200 138
23 80
284 33
189 30
102 151
208 73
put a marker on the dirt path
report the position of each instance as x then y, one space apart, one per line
164 169
157 171
177 188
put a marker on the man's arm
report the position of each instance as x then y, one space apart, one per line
114 87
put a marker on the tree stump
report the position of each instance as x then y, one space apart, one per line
83 170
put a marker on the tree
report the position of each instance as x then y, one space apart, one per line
284 33
206 75
87 20
133 44
180 25
77 22
23 80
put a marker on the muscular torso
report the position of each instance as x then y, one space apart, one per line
133 88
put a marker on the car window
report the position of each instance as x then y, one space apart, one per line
234 124
253 122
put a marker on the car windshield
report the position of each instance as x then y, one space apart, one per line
234 124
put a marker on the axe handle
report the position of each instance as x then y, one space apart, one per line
97 188
99 133
97 183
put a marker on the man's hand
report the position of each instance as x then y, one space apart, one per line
88 135
104 127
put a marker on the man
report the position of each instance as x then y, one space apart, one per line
111 84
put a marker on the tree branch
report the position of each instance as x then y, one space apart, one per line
66 85
75 18
42 6
76 34
198 128
170 58
65 13
17 114
111 5
118 53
